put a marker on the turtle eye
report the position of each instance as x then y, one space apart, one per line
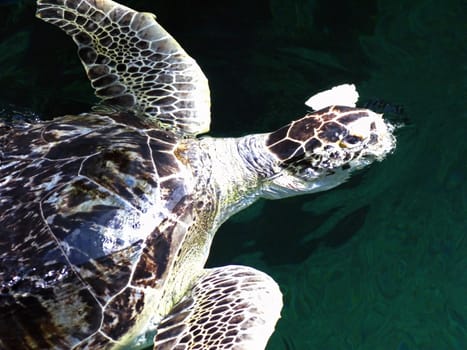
351 140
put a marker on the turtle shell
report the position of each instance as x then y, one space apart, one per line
93 213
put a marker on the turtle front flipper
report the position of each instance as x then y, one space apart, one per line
133 63
231 307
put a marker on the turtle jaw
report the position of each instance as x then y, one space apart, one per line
287 184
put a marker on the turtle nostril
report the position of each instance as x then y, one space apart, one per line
373 139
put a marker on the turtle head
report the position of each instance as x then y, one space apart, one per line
320 150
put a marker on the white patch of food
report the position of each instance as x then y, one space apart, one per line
341 95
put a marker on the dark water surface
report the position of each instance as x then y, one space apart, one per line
378 263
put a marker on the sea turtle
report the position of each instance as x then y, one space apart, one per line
107 217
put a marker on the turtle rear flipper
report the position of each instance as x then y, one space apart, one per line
230 307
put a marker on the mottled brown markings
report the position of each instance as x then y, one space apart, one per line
125 170
80 236
169 186
27 141
154 260
20 329
332 132
81 191
34 177
155 256
303 129
120 314
91 27
166 163
120 158
109 274
352 116
93 318
54 133
161 246
180 153
77 147
96 341
30 322
327 114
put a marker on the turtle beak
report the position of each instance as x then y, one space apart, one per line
375 139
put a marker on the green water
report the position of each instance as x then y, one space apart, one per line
378 263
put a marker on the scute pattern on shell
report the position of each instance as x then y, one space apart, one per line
86 243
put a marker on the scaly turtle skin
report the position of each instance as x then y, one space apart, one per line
107 217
